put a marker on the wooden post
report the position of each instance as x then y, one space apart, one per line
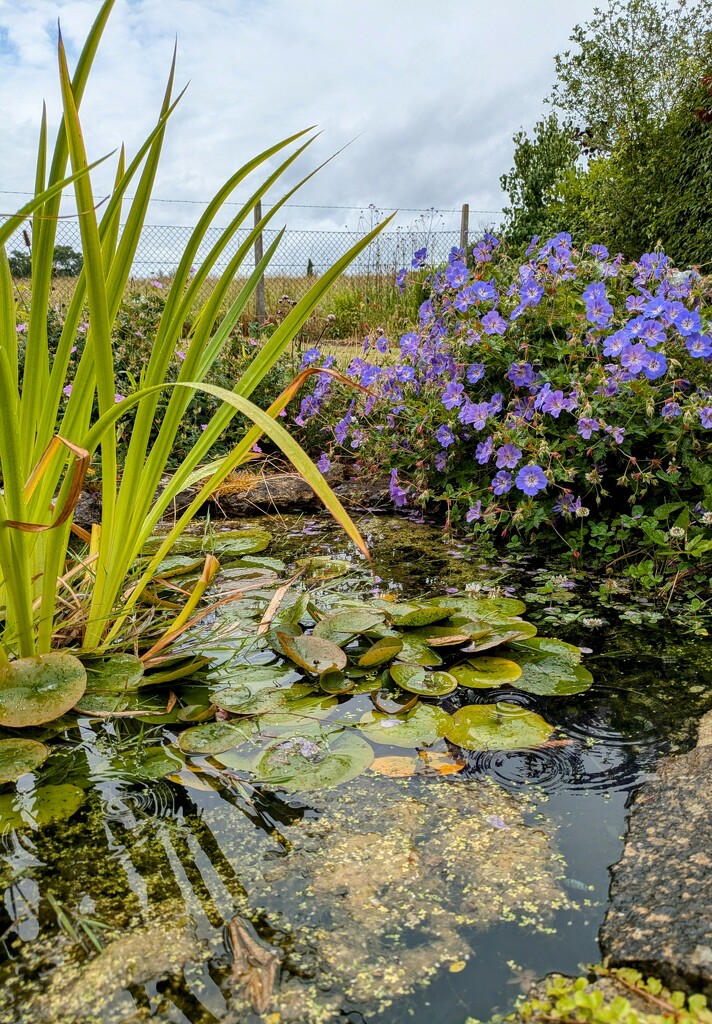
464 226
261 311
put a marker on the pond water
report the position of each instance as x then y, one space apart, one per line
159 893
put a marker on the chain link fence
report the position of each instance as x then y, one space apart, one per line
300 256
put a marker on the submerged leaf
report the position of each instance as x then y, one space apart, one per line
39 807
421 726
214 737
304 764
19 756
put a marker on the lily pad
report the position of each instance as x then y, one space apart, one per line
551 676
214 737
415 652
418 615
485 672
39 807
336 682
381 652
19 756
420 727
312 653
38 689
303 764
144 763
501 726
178 565
403 674
115 673
431 684
345 624
489 608
550 646
240 701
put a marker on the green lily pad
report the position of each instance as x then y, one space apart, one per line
501 726
489 608
254 677
336 682
214 737
415 652
323 567
449 636
103 704
345 624
431 684
19 756
114 674
420 727
228 543
499 635
551 676
303 764
39 807
312 653
403 674
38 689
485 672
381 652
178 565
418 615
549 646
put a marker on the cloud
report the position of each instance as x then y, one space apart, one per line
428 95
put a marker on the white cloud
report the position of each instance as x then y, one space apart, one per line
431 94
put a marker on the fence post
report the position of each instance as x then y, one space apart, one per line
261 311
464 226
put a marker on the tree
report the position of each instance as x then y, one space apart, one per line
67 262
540 165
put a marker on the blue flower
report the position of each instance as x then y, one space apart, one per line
324 463
699 346
475 372
310 356
521 374
655 365
483 451
706 417
633 358
531 479
399 495
400 280
652 333
445 436
614 344
508 456
554 403
474 513
419 258
493 323
484 290
670 410
600 252
452 395
586 427
456 273
382 344
474 414
689 323
502 482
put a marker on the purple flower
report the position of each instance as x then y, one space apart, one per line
656 306
617 433
156 284
452 395
404 373
633 358
483 451
586 427
599 251
699 346
531 292
399 495
706 417
670 410
20 328
310 356
554 403
419 258
652 333
655 365
531 480
67 390
400 280
440 461
495 403
502 482
475 372
118 398
493 323
521 374
409 344
598 308
474 513
688 323
324 463
484 290
635 303
456 273
614 344
474 414
382 344
445 436
508 456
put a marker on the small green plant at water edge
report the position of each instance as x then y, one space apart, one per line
57 412
630 998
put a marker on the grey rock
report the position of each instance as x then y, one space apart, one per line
660 918
704 731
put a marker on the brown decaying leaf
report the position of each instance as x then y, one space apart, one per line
82 458
254 964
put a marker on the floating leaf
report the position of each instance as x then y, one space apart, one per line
549 646
19 756
323 567
179 565
214 737
114 674
39 807
381 652
134 704
486 671
40 688
304 764
263 700
312 653
229 542
418 615
403 674
421 726
347 623
415 652
389 703
491 609
426 684
336 682
498 636
551 676
502 726
254 677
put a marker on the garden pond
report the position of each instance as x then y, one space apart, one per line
156 867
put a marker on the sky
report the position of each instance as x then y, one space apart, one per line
424 96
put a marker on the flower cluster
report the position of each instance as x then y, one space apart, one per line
533 392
